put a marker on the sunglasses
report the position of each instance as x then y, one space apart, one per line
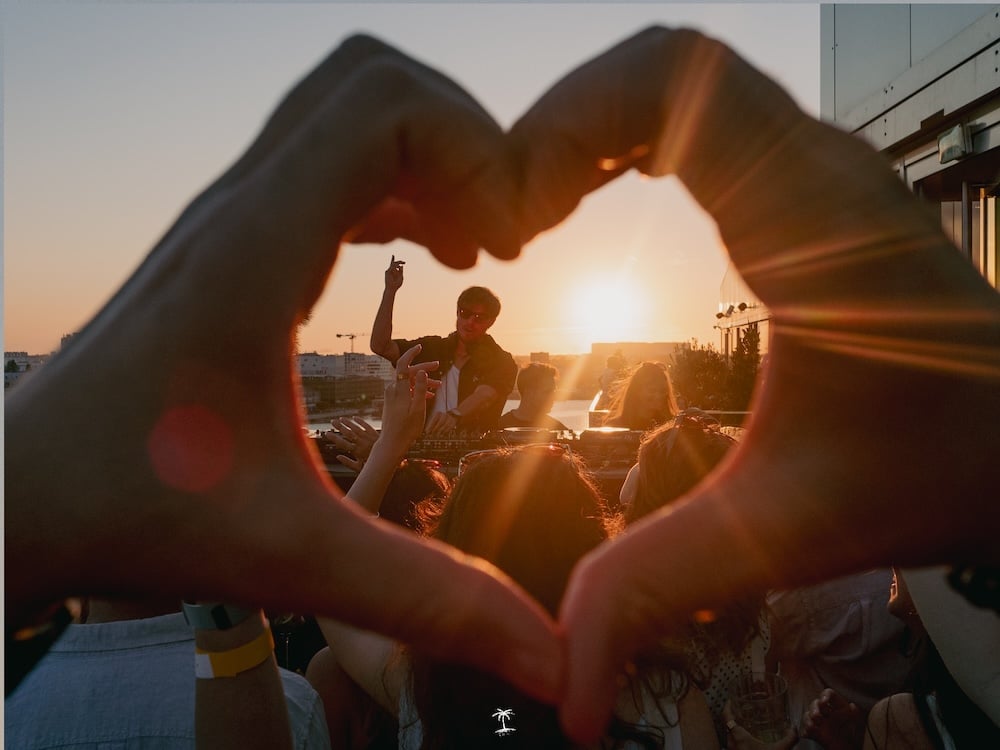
476 316
545 449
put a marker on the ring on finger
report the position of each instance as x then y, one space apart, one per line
402 376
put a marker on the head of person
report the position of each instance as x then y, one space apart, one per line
476 312
536 382
646 399
672 459
413 482
533 511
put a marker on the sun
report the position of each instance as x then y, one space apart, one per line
607 309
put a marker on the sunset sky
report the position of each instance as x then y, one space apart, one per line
116 114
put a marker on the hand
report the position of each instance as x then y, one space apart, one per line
834 722
875 316
394 274
738 738
441 423
354 436
406 402
195 477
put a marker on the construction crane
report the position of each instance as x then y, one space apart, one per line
350 336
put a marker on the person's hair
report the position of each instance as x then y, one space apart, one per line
413 482
480 295
534 375
533 512
626 406
674 458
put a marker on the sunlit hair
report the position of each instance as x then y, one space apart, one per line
628 407
673 458
533 376
480 295
413 482
533 513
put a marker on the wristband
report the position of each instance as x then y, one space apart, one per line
211 664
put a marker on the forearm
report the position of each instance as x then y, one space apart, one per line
246 710
381 338
479 399
371 483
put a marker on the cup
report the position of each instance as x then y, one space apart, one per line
760 705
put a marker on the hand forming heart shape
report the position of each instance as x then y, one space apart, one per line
877 323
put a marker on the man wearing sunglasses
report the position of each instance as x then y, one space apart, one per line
476 374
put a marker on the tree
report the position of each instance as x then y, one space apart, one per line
11 366
743 368
699 374
705 379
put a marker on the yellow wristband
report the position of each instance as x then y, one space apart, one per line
211 664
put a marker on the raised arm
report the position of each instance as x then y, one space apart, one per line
381 338
878 327
402 423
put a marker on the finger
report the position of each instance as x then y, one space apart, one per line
465 196
403 363
600 120
599 646
419 398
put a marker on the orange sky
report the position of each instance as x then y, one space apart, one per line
116 115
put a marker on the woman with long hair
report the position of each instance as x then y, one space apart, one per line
644 400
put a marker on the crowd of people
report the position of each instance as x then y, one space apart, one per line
519 612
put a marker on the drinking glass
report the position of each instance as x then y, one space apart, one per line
760 705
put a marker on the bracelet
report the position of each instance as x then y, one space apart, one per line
211 664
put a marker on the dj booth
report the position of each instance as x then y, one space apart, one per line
608 452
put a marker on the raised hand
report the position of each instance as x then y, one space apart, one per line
394 274
878 326
181 467
355 437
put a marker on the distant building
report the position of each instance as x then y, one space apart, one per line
740 311
348 364
350 381
17 364
638 351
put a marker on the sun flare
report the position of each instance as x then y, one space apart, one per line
608 309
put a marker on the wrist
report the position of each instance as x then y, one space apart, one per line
238 635
214 615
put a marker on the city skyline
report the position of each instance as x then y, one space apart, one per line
116 115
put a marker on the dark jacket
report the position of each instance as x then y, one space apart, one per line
488 365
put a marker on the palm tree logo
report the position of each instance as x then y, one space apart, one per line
501 715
